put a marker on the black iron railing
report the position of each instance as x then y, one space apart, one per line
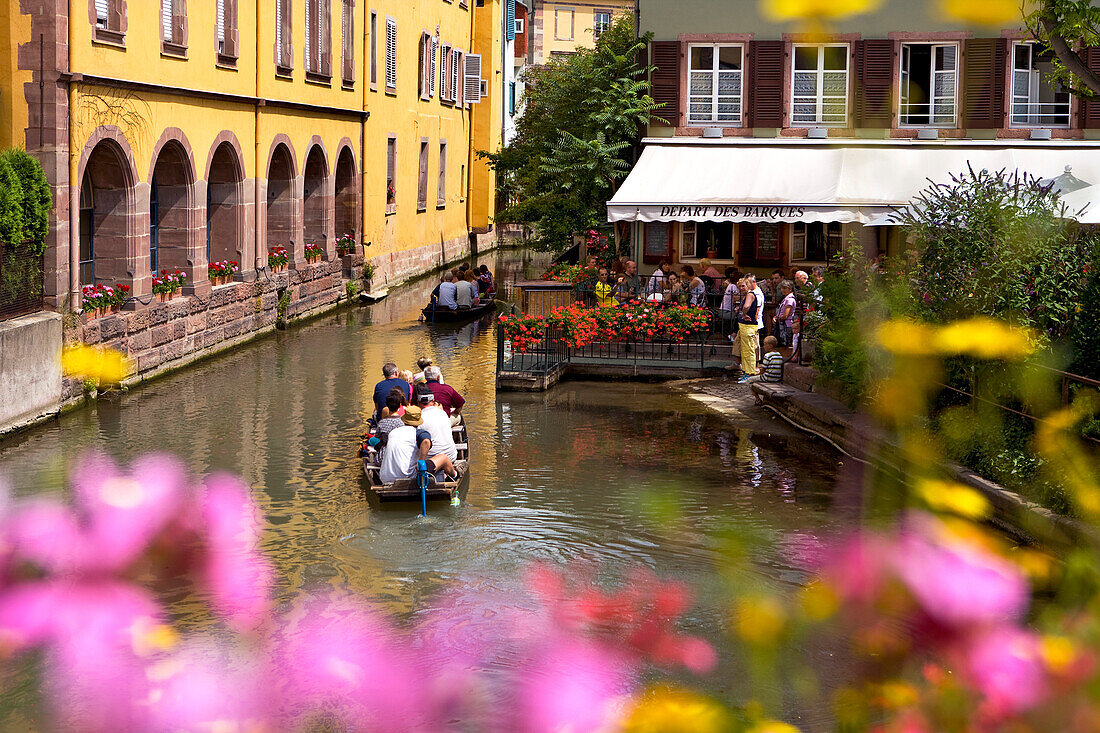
21 287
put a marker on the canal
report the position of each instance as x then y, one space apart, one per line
618 474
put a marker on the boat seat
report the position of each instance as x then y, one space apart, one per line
462 446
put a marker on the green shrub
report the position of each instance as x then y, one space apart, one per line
36 197
11 205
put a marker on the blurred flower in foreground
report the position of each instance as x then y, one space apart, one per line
814 10
983 338
675 710
983 12
99 364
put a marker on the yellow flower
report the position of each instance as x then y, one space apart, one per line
1058 653
982 12
672 710
760 619
818 601
906 338
947 496
149 637
772 726
983 338
897 694
780 10
102 365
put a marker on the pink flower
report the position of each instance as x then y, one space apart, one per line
571 685
234 572
1006 666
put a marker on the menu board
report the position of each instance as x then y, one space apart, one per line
767 241
656 239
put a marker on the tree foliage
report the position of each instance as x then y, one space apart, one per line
1064 27
998 244
576 138
25 201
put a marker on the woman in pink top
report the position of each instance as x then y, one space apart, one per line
708 269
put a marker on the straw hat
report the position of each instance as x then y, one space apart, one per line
412 416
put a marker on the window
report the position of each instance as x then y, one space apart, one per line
391 53
511 99
928 73
601 21
1036 99
433 54
87 233
110 21
424 64
154 228
284 48
347 41
563 23
173 26
820 85
814 242
698 239
391 172
441 193
373 50
471 65
714 84
318 53
519 26
422 182
227 32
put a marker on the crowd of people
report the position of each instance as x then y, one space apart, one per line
465 286
737 299
414 420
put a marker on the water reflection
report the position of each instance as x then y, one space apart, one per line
614 473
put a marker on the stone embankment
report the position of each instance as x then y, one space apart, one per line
801 400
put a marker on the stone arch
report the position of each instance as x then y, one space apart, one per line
175 221
317 216
282 201
225 238
109 223
346 193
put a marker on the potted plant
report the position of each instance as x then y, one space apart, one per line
313 252
167 284
391 194
345 245
278 259
712 247
222 272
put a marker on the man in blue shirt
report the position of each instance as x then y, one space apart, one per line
383 388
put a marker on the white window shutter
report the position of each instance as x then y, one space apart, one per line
101 8
435 54
309 36
279 29
221 25
472 74
166 19
391 53
456 72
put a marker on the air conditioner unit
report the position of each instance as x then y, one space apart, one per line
484 88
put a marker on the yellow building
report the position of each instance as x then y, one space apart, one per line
563 27
177 133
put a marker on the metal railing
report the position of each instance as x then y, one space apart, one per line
21 286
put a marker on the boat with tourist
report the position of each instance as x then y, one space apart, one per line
409 489
435 313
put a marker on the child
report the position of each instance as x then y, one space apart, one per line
771 366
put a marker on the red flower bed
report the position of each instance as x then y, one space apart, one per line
576 325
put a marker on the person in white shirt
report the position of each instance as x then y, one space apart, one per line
438 423
409 444
759 311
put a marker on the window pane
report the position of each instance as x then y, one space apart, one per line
805 57
702 57
702 82
1023 56
836 58
729 57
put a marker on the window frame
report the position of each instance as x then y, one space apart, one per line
445 90
695 122
347 43
596 32
517 28
113 29
173 40
226 39
422 178
572 22
793 235
391 173
374 50
1012 123
819 95
284 37
954 123
441 186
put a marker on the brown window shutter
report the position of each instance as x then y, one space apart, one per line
984 65
232 35
765 104
875 82
666 81
288 45
179 22
1090 106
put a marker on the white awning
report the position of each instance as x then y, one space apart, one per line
811 181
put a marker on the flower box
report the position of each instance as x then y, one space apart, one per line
222 272
278 259
313 253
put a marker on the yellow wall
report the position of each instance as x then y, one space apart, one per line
489 114
15 29
143 113
556 26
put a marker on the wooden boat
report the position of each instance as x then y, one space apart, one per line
407 489
435 314
374 296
